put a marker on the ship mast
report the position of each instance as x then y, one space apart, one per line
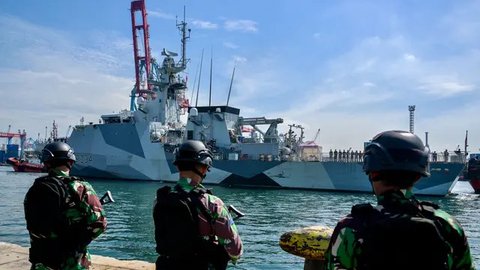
182 26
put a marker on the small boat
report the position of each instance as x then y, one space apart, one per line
20 165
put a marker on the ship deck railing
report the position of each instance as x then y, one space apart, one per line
326 157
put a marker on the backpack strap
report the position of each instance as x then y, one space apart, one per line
194 196
163 191
362 210
68 199
429 207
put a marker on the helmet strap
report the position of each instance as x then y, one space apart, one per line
190 166
374 176
197 172
69 164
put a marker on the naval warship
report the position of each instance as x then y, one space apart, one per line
139 144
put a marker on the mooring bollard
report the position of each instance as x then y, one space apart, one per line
309 243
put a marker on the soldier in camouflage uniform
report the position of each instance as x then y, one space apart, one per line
394 162
220 239
63 214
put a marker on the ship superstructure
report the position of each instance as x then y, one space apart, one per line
124 144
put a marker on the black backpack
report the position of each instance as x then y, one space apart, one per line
177 229
402 238
52 218
176 222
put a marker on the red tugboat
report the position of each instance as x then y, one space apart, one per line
20 165
473 172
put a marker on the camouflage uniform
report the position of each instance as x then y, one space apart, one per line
63 216
224 228
345 249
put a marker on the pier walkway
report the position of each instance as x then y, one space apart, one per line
15 257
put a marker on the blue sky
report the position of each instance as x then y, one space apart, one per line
350 68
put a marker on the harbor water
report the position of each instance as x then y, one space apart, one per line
269 213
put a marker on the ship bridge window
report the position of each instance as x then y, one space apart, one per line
117 119
111 120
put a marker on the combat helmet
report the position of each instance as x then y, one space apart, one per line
57 153
193 152
396 151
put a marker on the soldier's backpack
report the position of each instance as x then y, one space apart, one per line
176 217
406 238
51 208
176 222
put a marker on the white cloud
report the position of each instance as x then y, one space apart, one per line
443 88
230 45
409 57
239 59
204 24
62 83
241 25
366 90
161 14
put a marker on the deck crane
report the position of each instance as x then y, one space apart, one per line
141 54
148 72
144 68
271 135
314 138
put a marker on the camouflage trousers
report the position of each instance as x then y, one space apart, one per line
70 263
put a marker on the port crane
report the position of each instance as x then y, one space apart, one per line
22 135
9 136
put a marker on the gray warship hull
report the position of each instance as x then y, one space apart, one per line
125 151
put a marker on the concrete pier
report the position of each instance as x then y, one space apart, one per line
15 257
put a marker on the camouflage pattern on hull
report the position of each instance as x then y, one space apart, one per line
332 176
126 157
135 157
